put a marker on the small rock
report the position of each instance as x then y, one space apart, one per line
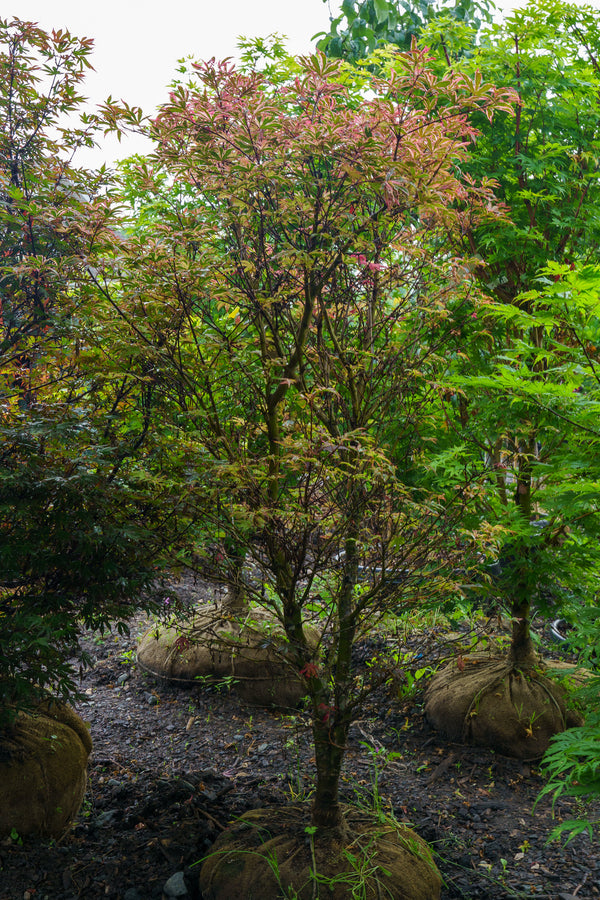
106 817
176 886
123 678
150 699
131 894
493 850
186 786
170 728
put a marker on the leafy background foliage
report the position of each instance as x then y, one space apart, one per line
285 337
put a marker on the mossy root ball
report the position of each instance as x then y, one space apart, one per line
267 854
43 771
487 702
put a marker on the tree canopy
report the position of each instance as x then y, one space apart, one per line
299 307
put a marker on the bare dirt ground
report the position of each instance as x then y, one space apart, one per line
173 765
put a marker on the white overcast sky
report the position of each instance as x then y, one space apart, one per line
137 44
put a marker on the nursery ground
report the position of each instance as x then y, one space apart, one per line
173 765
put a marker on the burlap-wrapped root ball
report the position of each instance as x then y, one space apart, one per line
267 855
43 771
251 652
488 702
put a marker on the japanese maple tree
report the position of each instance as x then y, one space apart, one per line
290 286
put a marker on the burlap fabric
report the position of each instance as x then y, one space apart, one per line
43 760
266 855
250 651
488 702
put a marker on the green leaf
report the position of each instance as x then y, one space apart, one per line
382 10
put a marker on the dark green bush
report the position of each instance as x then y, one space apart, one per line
81 546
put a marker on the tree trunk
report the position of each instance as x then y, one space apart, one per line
522 653
235 601
330 745
331 723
